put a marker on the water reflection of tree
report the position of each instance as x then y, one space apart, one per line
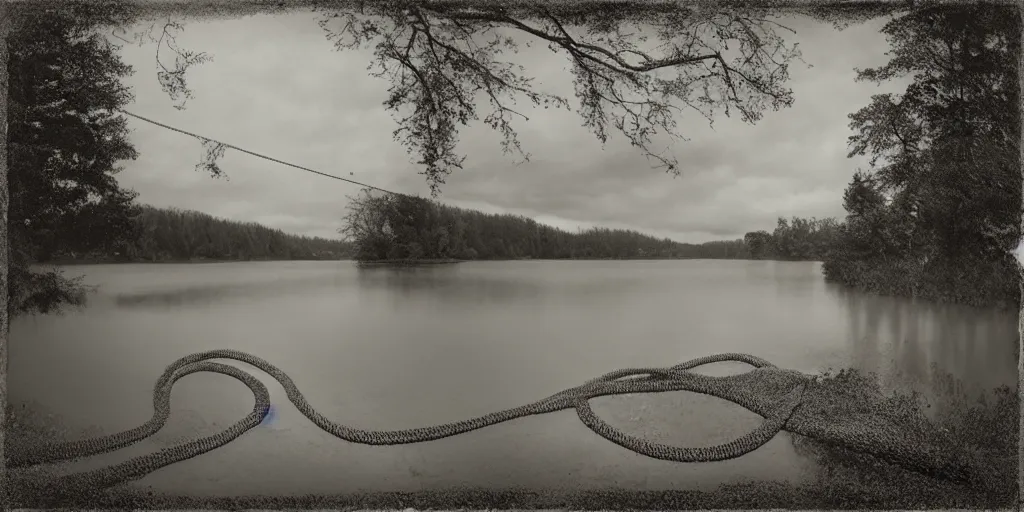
212 293
908 350
441 283
795 278
911 343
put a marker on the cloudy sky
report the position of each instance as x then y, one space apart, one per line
278 87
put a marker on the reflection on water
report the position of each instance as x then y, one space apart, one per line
942 350
401 348
212 293
447 283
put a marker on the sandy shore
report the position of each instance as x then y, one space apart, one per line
841 491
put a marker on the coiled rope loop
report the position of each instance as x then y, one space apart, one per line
640 380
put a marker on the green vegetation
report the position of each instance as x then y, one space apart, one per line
181 235
392 227
793 240
986 427
939 211
63 146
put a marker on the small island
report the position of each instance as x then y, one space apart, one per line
394 228
407 262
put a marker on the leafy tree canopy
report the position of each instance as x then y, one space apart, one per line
64 145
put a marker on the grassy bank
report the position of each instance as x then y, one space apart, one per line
845 480
979 284
738 496
986 428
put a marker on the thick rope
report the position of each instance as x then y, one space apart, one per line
773 393
643 380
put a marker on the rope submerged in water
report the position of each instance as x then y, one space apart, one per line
627 381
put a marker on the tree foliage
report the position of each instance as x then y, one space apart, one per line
636 68
394 227
64 144
795 239
758 243
941 206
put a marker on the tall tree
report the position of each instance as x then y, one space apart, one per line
941 206
64 144
949 145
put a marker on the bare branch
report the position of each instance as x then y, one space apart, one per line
445 63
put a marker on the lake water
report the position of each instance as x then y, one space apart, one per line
393 349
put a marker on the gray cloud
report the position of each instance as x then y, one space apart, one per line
291 96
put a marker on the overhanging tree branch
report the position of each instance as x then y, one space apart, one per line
453 54
437 72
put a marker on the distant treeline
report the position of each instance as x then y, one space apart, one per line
391 227
183 235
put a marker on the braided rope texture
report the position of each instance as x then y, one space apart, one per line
784 398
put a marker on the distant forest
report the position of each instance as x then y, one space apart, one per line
408 228
162 235
392 227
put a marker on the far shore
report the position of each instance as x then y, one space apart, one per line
407 262
382 263
100 261
444 261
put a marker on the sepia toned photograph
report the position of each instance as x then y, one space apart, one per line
511 255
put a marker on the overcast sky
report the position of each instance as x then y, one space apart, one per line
278 87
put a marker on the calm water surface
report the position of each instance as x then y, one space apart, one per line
394 349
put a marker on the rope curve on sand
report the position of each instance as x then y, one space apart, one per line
640 380
778 395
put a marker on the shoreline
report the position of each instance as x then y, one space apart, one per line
111 261
407 263
203 261
748 495
880 291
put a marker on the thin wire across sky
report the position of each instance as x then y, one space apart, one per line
236 148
